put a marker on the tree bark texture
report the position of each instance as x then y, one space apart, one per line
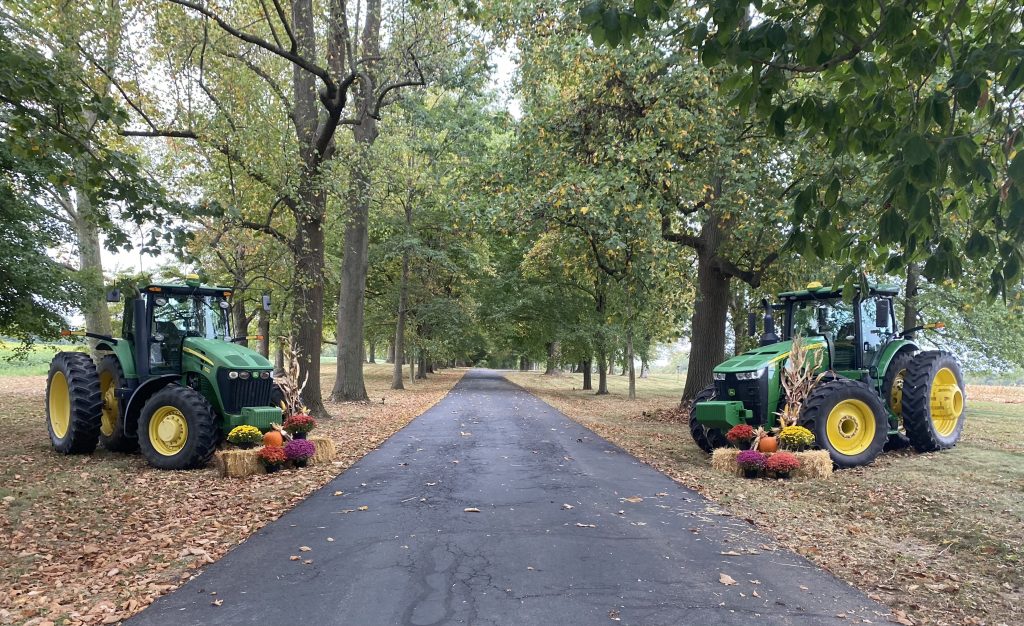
552 362
585 366
910 309
629 362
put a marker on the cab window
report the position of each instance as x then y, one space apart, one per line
873 335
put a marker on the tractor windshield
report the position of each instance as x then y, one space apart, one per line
832 318
176 316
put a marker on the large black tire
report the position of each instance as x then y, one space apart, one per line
892 382
707 439
112 434
848 420
178 429
934 401
73 403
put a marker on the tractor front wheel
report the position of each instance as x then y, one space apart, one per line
848 419
934 401
178 429
112 434
73 403
707 439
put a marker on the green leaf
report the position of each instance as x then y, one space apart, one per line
916 150
1016 170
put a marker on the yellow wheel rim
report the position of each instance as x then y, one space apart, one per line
896 393
60 404
108 389
850 427
168 430
947 402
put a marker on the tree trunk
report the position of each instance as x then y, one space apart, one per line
602 374
585 366
629 361
371 352
349 385
308 210
391 352
421 363
90 267
239 323
411 359
645 367
524 365
553 349
264 326
707 336
308 299
910 296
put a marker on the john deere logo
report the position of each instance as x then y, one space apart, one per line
732 392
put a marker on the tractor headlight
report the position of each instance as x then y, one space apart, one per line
232 375
264 375
718 376
752 375
243 375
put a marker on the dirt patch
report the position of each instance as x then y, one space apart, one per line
937 537
94 539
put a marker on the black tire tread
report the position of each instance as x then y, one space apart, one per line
899 361
201 418
813 417
119 441
917 400
707 439
84 398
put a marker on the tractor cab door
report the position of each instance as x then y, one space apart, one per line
874 332
833 319
171 318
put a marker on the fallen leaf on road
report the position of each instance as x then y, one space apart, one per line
217 602
586 525
726 579
304 549
756 594
568 506
364 508
614 615
330 539
661 494
293 558
307 562
730 553
471 509
633 499
338 493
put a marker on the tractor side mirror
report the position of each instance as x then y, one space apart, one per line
114 295
882 313
266 302
751 324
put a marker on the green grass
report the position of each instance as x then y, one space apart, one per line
35 361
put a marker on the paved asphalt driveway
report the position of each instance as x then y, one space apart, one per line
560 538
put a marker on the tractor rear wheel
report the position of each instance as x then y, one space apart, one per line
73 403
178 429
707 439
848 419
112 434
934 401
892 383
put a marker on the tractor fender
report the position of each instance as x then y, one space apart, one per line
887 355
139 397
123 351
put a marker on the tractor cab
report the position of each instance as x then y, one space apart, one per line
854 333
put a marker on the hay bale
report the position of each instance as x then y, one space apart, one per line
238 463
724 460
814 464
325 451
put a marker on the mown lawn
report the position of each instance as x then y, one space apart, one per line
94 539
938 537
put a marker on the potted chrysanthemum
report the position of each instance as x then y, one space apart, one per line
782 464
751 462
299 425
272 457
245 436
299 451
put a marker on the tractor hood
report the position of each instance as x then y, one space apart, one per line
224 354
759 357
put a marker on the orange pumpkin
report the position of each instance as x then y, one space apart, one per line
768 444
273 439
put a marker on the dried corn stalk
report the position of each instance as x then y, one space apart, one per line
798 379
289 383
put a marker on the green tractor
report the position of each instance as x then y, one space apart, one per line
172 385
878 387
